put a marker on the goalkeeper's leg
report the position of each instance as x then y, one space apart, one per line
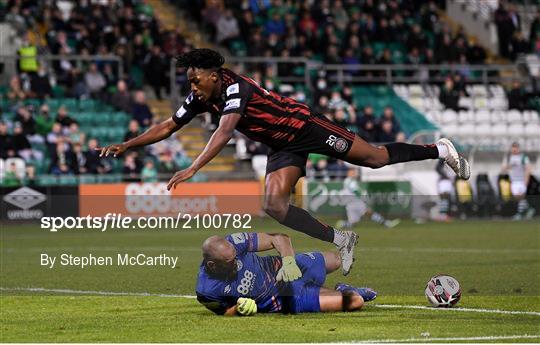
332 300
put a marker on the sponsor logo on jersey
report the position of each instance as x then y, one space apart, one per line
232 104
234 88
246 283
181 112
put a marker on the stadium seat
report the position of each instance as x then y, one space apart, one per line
47 180
416 90
482 116
465 102
67 180
480 102
516 129
465 116
532 130
498 103
87 178
514 116
450 130
449 116
499 129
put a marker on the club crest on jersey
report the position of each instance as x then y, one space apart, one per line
234 88
339 144
232 104
189 98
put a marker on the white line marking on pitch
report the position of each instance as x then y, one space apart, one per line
147 294
102 293
419 340
494 311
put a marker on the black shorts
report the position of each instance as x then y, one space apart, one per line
319 135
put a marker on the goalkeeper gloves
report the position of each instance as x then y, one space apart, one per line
289 271
246 306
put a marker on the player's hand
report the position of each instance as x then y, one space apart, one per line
180 176
289 270
246 306
114 149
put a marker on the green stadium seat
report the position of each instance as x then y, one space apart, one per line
47 180
87 178
68 180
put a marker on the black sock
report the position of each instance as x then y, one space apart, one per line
300 220
401 152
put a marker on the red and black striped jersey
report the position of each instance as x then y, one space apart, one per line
267 117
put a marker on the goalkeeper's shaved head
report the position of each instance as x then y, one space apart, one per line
219 257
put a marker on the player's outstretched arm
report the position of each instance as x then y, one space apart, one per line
151 135
217 142
289 270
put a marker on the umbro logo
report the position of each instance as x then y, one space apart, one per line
24 198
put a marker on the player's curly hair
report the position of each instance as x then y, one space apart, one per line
200 58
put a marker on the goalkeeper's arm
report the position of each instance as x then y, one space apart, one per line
289 270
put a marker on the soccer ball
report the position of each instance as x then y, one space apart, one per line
443 291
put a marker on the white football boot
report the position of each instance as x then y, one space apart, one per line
346 251
455 161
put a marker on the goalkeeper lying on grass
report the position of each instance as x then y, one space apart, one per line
233 280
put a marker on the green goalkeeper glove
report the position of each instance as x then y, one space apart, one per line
289 270
246 306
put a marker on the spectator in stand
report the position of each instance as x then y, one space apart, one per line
54 136
95 81
133 130
63 160
149 172
449 96
30 176
385 133
388 115
121 99
63 118
75 136
476 55
520 46
12 177
15 92
227 28
40 85
80 159
166 165
340 117
94 164
367 124
505 29
155 70
535 30
517 97
131 168
6 141
25 119
141 112
322 105
22 145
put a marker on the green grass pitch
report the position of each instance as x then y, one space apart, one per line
496 262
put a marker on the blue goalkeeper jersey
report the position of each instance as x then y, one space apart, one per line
256 279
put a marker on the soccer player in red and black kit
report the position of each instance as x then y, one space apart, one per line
290 129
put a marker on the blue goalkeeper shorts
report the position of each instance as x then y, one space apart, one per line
305 291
